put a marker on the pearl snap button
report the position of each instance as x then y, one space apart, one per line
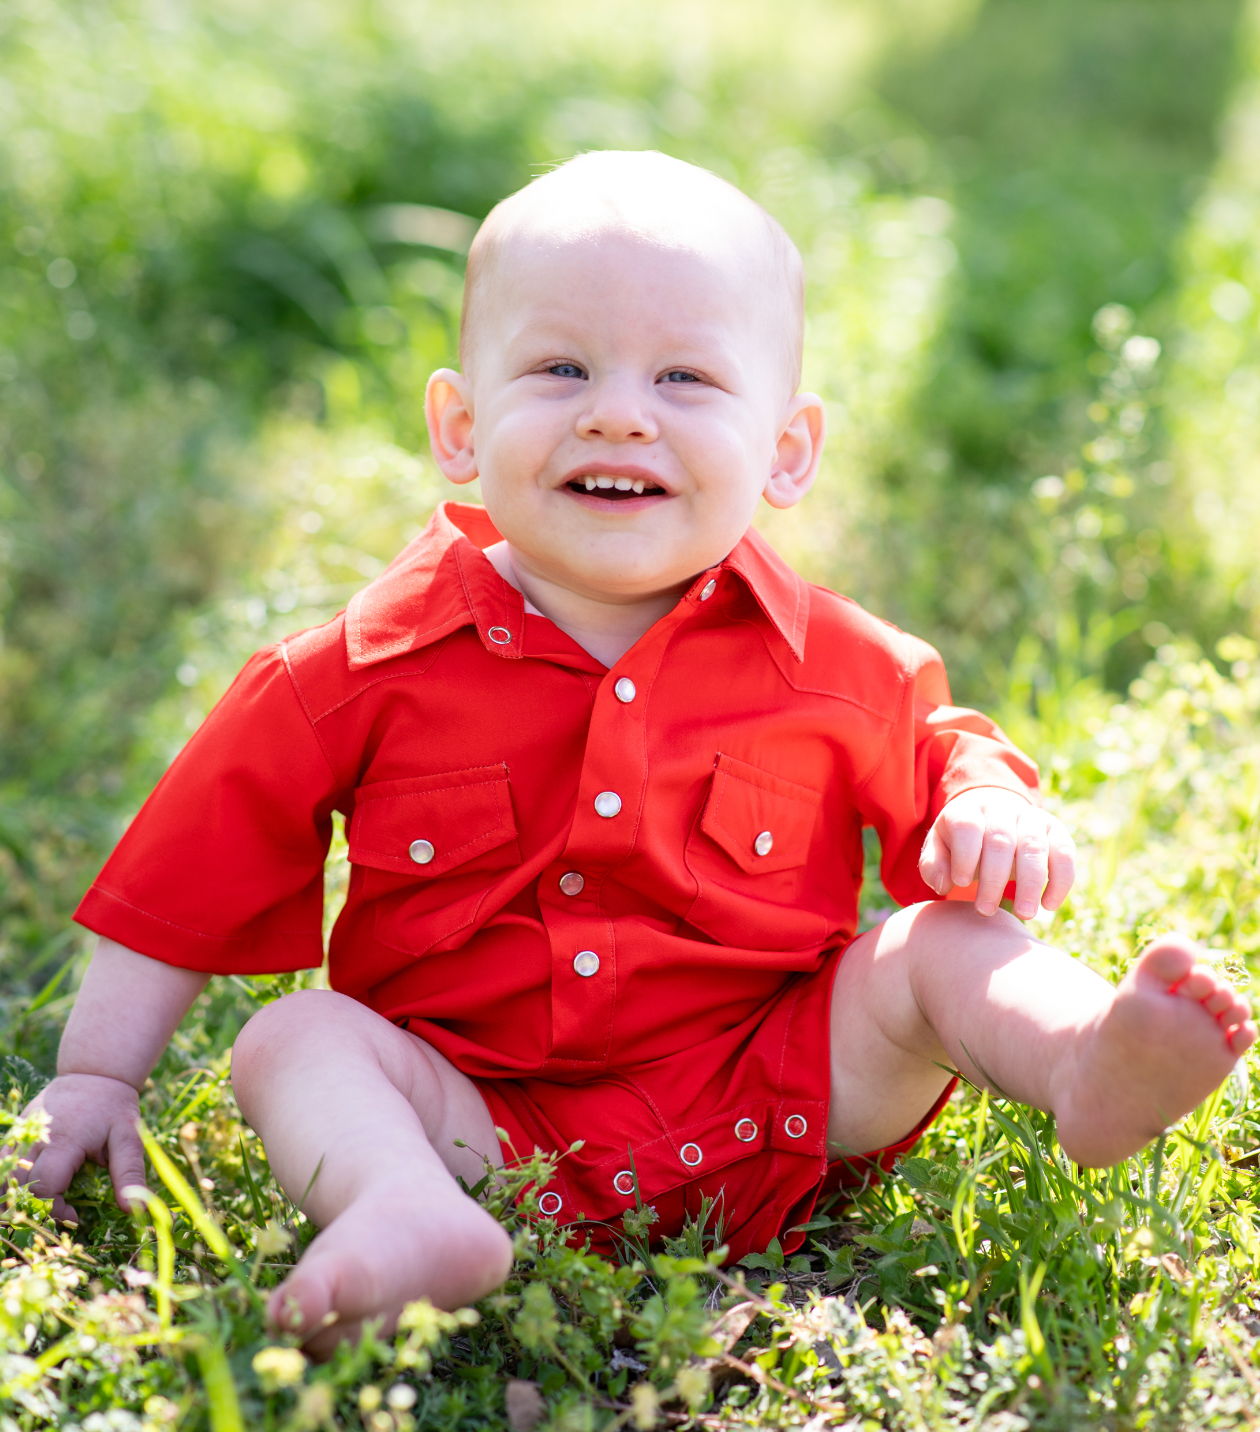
607 804
794 1126
550 1204
499 635
745 1131
708 589
421 851
571 883
624 690
764 843
624 1182
690 1154
586 963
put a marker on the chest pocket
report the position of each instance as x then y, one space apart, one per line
747 856
428 848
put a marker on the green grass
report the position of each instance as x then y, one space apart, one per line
987 1282
210 435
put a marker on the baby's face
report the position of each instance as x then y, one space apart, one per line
628 409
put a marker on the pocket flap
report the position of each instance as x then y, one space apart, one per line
445 819
763 822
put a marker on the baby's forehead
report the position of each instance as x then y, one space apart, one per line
678 216
607 258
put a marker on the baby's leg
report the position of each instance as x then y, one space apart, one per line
329 1085
939 984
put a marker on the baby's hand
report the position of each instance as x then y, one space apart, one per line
990 832
92 1117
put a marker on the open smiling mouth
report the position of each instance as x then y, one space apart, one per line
615 489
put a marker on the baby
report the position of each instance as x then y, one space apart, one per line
605 763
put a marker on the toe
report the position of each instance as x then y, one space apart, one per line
1220 1001
1243 1037
1168 959
1198 984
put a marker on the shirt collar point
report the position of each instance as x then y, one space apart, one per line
781 593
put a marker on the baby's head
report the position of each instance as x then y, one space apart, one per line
677 210
631 350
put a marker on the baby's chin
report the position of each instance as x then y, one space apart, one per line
614 569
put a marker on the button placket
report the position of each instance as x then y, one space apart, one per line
610 794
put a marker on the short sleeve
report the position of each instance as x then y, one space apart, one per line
934 751
222 869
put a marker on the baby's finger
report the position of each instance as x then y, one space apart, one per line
62 1211
126 1163
1032 862
51 1170
996 860
1062 866
934 862
961 826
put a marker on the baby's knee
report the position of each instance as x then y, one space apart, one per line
949 918
283 1026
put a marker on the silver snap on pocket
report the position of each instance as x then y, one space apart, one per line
550 1204
794 1126
690 1154
764 843
499 635
421 851
745 1131
624 1182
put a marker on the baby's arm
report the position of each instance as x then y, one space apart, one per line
995 835
126 1011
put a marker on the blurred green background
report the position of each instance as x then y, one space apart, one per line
231 250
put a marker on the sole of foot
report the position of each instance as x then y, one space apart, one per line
388 1248
1170 1036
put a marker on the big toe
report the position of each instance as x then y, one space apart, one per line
1170 959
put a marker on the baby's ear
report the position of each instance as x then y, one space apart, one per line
449 415
799 449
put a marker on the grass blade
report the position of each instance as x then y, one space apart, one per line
216 1374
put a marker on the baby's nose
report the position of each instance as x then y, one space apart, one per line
619 415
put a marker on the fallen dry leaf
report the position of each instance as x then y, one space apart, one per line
524 1405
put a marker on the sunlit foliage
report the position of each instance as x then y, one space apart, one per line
231 247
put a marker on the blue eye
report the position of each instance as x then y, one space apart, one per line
566 370
678 375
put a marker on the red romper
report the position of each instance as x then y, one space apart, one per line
615 898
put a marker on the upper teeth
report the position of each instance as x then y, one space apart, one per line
622 484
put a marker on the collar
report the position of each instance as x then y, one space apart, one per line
440 582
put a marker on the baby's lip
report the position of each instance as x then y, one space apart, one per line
652 481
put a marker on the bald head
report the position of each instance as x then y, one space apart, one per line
647 198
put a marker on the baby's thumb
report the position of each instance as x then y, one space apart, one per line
935 861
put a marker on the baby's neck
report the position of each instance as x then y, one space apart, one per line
605 629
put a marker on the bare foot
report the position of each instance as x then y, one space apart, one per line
383 1251
1172 1033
